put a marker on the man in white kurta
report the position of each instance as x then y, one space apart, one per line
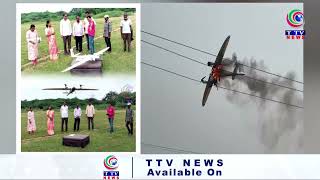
66 32
64 116
90 115
78 33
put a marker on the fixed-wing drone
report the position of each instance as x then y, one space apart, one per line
217 71
81 59
70 90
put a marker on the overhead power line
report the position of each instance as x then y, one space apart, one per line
157 67
170 148
199 62
192 79
205 52
178 54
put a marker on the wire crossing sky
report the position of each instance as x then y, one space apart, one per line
176 150
175 42
197 61
192 79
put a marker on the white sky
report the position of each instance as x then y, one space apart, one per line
54 7
31 87
28 9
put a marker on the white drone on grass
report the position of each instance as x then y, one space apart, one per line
81 59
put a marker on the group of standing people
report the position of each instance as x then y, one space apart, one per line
64 111
110 112
78 30
90 113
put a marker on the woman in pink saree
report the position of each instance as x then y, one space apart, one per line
50 34
32 40
50 121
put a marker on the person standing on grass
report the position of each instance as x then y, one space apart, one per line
32 41
50 121
64 116
129 119
52 43
107 32
126 32
77 115
110 113
31 122
86 24
90 115
91 34
78 33
66 33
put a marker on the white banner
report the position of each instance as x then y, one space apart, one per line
124 166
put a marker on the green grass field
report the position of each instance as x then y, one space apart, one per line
100 139
115 62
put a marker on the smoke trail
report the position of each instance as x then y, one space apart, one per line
278 123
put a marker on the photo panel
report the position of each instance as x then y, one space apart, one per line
77 77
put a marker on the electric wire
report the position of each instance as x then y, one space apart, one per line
236 91
170 148
205 52
199 62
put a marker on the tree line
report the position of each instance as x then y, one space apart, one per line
55 16
119 100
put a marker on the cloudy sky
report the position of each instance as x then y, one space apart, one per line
229 123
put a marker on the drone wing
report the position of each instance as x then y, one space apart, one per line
56 89
207 91
222 50
101 51
78 63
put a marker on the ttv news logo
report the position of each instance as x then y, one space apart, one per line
295 19
111 163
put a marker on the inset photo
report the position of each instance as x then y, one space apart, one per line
78 115
226 87
79 39
77 77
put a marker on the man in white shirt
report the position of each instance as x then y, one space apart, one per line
86 24
90 115
126 32
77 115
66 32
64 116
78 33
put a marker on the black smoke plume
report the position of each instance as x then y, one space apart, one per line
276 121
